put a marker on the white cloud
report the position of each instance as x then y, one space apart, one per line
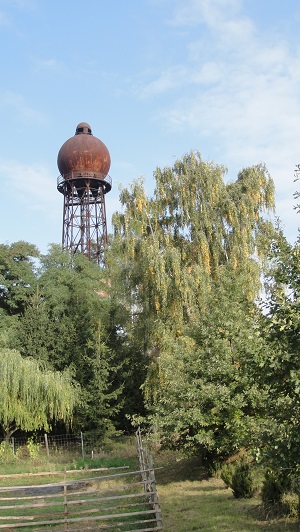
23 5
209 12
238 88
17 103
171 78
180 76
50 65
32 185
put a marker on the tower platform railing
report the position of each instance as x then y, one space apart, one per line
104 180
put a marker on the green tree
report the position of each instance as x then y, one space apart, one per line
17 276
132 367
207 400
198 246
35 330
17 283
167 250
278 368
32 398
66 325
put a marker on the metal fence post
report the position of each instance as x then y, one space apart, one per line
82 445
46 443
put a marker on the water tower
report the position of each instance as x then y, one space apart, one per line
84 163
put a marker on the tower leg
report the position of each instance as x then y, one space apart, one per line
84 220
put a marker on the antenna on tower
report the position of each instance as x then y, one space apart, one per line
84 163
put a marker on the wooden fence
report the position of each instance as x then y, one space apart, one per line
114 499
148 477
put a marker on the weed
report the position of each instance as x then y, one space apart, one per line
6 452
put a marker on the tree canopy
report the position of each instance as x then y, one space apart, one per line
32 398
171 333
66 326
172 256
17 276
278 367
170 248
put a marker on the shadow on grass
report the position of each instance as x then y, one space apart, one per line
192 500
211 488
176 468
272 519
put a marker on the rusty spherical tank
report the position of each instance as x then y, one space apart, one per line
83 153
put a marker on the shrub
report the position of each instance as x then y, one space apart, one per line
290 504
227 473
280 493
273 488
212 466
243 481
22 453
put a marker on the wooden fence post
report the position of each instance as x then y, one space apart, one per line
154 497
148 476
65 502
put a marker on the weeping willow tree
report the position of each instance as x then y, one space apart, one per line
169 249
173 256
30 398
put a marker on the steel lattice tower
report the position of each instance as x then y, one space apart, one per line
84 163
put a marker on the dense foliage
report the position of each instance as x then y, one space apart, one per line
278 368
66 324
171 333
189 265
31 398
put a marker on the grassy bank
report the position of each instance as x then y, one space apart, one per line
191 501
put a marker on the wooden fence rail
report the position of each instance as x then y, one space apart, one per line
94 499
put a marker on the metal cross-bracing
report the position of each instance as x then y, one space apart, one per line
84 217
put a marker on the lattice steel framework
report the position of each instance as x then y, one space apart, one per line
84 213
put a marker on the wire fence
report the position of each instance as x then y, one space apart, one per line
83 444
116 498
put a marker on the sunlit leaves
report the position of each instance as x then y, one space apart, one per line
17 275
202 391
187 265
30 398
168 249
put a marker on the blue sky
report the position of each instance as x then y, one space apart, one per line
154 79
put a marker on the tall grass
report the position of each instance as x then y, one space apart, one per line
190 500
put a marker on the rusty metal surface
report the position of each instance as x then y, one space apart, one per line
84 221
83 153
83 127
84 163
80 179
